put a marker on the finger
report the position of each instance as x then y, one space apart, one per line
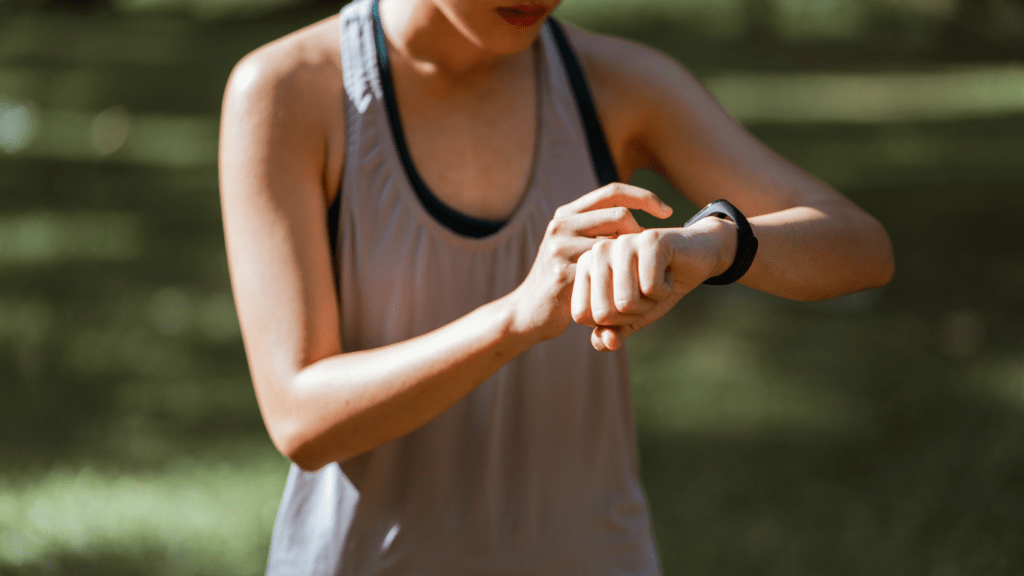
568 247
611 339
602 306
618 194
580 302
625 283
605 221
653 275
605 339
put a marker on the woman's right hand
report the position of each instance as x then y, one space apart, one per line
541 302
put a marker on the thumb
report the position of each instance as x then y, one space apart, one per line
607 338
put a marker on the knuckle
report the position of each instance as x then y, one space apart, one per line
553 251
609 190
579 313
556 226
649 236
564 272
623 248
602 316
627 306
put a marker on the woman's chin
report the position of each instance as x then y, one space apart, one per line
512 40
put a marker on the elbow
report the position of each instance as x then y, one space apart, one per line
872 266
858 278
868 263
307 447
307 459
300 427
304 453
298 445
290 443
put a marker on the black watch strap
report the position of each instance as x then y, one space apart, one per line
746 244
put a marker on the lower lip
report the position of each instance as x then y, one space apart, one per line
521 19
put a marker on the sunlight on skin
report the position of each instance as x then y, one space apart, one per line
244 76
213 515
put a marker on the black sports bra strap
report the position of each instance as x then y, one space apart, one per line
604 166
457 221
333 215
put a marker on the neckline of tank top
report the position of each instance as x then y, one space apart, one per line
452 220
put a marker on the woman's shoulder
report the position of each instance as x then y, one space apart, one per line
283 104
611 59
305 61
634 85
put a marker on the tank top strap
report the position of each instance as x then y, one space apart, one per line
600 156
359 56
362 85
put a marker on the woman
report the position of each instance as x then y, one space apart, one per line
407 190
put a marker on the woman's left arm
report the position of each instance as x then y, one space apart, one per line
814 243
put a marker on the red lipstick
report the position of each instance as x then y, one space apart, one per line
524 15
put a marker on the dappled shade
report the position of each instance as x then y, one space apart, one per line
879 433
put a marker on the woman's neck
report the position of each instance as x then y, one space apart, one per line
429 43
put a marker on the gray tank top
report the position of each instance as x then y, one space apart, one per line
535 471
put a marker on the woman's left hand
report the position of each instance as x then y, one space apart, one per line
626 283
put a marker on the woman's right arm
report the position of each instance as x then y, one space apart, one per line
321 404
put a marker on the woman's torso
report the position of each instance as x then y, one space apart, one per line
534 472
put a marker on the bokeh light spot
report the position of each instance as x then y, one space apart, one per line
17 125
109 130
43 238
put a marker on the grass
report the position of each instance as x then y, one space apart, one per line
881 433
208 516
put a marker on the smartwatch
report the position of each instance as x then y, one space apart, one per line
746 244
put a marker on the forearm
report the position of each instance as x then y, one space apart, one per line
346 404
321 404
814 253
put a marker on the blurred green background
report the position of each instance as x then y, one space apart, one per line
879 433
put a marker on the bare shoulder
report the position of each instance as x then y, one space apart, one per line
676 128
288 94
307 58
611 60
634 86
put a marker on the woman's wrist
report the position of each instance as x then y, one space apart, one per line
521 326
715 240
725 245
